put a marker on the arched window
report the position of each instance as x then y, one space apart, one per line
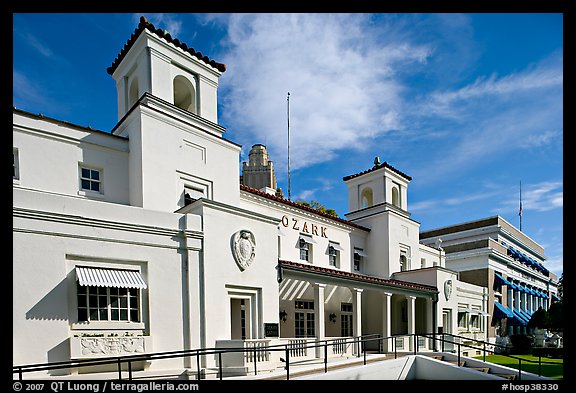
133 93
395 197
367 200
184 94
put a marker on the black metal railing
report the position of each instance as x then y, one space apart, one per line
358 342
483 345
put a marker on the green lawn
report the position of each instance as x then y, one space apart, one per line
555 370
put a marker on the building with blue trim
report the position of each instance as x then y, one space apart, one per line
493 253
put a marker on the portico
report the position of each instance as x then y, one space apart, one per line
323 303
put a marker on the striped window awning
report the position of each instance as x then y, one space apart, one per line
113 278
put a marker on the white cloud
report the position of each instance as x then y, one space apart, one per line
546 74
26 92
538 197
341 81
324 185
493 116
42 48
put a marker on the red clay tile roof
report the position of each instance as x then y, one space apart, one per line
145 24
376 167
299 206
356 276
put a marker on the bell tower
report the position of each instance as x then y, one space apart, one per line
167 107
154 62
378 199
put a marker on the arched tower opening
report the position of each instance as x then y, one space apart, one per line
133 93
367 198
395 196
184 94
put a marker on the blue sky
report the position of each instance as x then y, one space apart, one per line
468 105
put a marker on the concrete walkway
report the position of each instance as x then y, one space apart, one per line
297 369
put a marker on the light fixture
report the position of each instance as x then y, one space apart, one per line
283 315
332 318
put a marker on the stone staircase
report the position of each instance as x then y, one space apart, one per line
486 370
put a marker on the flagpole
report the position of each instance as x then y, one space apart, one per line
520 211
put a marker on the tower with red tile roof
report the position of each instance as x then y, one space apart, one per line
154 62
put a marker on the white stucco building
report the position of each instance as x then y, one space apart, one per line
142 239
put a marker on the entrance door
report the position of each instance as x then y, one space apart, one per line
447 327
240 319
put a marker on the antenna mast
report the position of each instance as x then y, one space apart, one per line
288 112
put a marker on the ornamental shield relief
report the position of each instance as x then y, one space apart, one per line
243 248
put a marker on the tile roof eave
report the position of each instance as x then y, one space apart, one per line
376 167
355 276
145 24
301 207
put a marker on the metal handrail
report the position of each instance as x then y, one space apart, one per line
360 342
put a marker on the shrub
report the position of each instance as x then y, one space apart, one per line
521 344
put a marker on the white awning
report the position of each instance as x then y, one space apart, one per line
360 252
308 239
113 278
336 246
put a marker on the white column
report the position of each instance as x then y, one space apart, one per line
517 300
429 321
357 308
387 321
411 311
524 301
511 306
510 298
319 325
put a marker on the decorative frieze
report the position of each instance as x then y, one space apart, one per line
88 347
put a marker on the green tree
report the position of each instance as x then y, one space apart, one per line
540 319
317 206
556 312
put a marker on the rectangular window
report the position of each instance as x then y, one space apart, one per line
90 179
299 329
332 256
357 259
346 320
108 304
475 321
15 165
304 318
334 250
305 249
422 263
192 193
475 318
404 261
462 320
